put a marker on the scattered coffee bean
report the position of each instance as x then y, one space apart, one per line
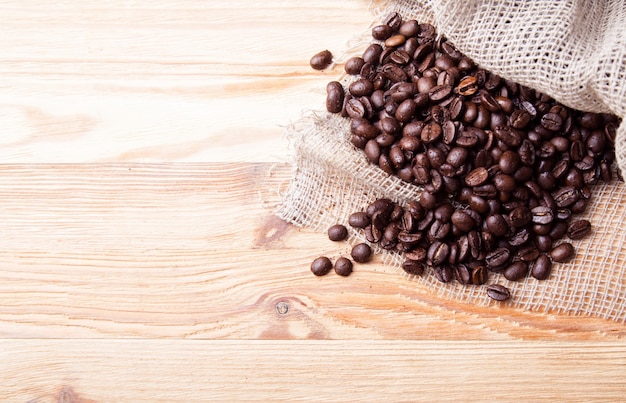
579 229
337 232
321 60
361 253
542 267
343 266
498 292
563 253
321 266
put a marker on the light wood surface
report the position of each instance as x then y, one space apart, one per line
141 159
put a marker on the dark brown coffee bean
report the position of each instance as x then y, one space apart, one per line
463 274
480 275
413 267
504 183
440 92
321 60
551 122
519 119
477 177
498 292
337 232
361 87
381 32
566 196
334 97
354 65
394 20
355 109
395 40
528 253
497 258
509 162
359 220
343 266
463 221
516 271
542 215
438 253
563 252
542 267
361 253
579 229
393 73
321 266
520 216
406 110
497 225
372 54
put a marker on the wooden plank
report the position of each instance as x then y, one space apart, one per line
193 251
205 370
165 81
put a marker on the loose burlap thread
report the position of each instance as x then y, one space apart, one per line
574 51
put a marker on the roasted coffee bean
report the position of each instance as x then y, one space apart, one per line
480 275
354 65
579 229
520 216
381 32
440 92
359 220
337 232
413 267
321 266
497 225
542 215
477 177
343 266
463 274
361 87
334 97
528 253
321 60
563 252
497 258
566 196
438 253
467 86
463 221
542 267
406 110
361 253
498 292
516 271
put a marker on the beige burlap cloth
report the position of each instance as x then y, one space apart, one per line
574 51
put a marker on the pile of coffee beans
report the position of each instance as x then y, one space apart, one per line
504 168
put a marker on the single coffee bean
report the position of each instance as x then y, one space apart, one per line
321 266
542 267
497 258
361 87
467 86
498 292
334 97
354 65
381 32
343 266
579 229
440 92
337 232
563 252
321 60
477 177
516 271
361 253
542 215
497 224
359 220
413 267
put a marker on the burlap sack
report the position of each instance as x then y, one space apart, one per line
574 51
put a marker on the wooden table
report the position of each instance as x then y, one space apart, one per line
142 159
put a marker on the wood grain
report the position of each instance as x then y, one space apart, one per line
141 161
202 370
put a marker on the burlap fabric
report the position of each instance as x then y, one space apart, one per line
574 51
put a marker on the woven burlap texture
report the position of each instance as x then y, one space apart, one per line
574 51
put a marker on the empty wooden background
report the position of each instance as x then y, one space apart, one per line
141 158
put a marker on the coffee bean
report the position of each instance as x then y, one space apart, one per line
413 267
321 266
381 32
343 266
542 267
542 215
337 232
516 271
579 229
361 253
498 292
354 65
359 220
361 87
477 177
334 97
321 60
467 86
563 252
